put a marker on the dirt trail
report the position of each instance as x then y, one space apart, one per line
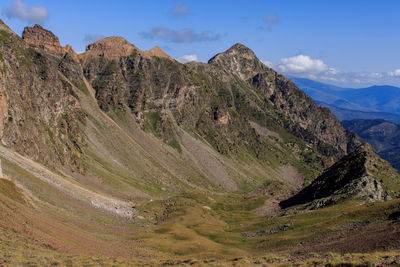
65 184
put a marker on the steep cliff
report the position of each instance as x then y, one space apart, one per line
40 114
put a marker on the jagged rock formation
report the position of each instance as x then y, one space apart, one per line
384 136
40 38
359 175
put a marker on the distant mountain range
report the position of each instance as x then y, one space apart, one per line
375 102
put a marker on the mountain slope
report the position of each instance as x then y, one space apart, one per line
124 153
382 135
359 175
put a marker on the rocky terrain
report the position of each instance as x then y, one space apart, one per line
359 175
129 154
384 136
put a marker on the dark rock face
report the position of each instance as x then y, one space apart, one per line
39 38
384 136
359 175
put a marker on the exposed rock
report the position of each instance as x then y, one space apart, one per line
40 38
68 49
111 48
384 136
38 109
156 52
359 175
315 124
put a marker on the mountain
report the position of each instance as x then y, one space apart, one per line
359 175
120 156
378 100
384 136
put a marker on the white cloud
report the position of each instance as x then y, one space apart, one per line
271 18
187 58
180 10
372 75
395 73
268 63
180 36
26 12
332 71
90 38
326 78
315 69
301 64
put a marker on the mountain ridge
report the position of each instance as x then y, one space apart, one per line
139 157
361 174
382 98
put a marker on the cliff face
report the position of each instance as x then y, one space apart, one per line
39 38
359 175
40 114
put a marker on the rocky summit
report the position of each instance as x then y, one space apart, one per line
123 156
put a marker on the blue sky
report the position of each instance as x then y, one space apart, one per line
347 43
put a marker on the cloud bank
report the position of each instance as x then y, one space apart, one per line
395 73
180 10
301 64
316 69
181 36
25 12
270 20
91 38
187 58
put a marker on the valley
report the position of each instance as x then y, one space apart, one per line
119 156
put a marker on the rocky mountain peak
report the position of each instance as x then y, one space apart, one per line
239 59
111 48
362 174
241 49
39 38
157 52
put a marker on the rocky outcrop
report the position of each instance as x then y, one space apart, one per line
40 113
384 136
359 175
111 48
156 52
40 38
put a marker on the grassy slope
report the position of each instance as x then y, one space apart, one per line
191 228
